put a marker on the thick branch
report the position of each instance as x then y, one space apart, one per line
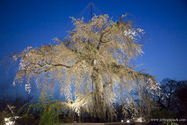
102 36
48 69
106 85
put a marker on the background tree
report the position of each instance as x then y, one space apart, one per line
18 101
169 96
95 58
9 105
181 99
172 102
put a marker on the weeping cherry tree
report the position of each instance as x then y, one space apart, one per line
94 59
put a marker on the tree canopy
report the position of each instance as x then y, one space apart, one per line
95 58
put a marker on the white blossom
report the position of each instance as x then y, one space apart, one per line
133 33
129 33
15 58
28 87
141 30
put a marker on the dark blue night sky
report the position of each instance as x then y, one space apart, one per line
26 23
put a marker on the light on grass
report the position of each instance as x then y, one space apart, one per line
6 119
8 122
121 120
128 121
16 117
139 119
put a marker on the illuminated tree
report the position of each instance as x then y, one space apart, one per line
95 58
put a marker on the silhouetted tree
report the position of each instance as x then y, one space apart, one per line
172 99
17 100
10 104
181 99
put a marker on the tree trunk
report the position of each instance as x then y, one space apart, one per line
100 107
80 115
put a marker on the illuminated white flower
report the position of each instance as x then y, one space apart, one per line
129 33
141 30
15 57
28 87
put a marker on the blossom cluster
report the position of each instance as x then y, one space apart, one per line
133 33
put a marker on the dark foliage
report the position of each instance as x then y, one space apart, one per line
18 101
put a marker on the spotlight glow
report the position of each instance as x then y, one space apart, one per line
139 119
